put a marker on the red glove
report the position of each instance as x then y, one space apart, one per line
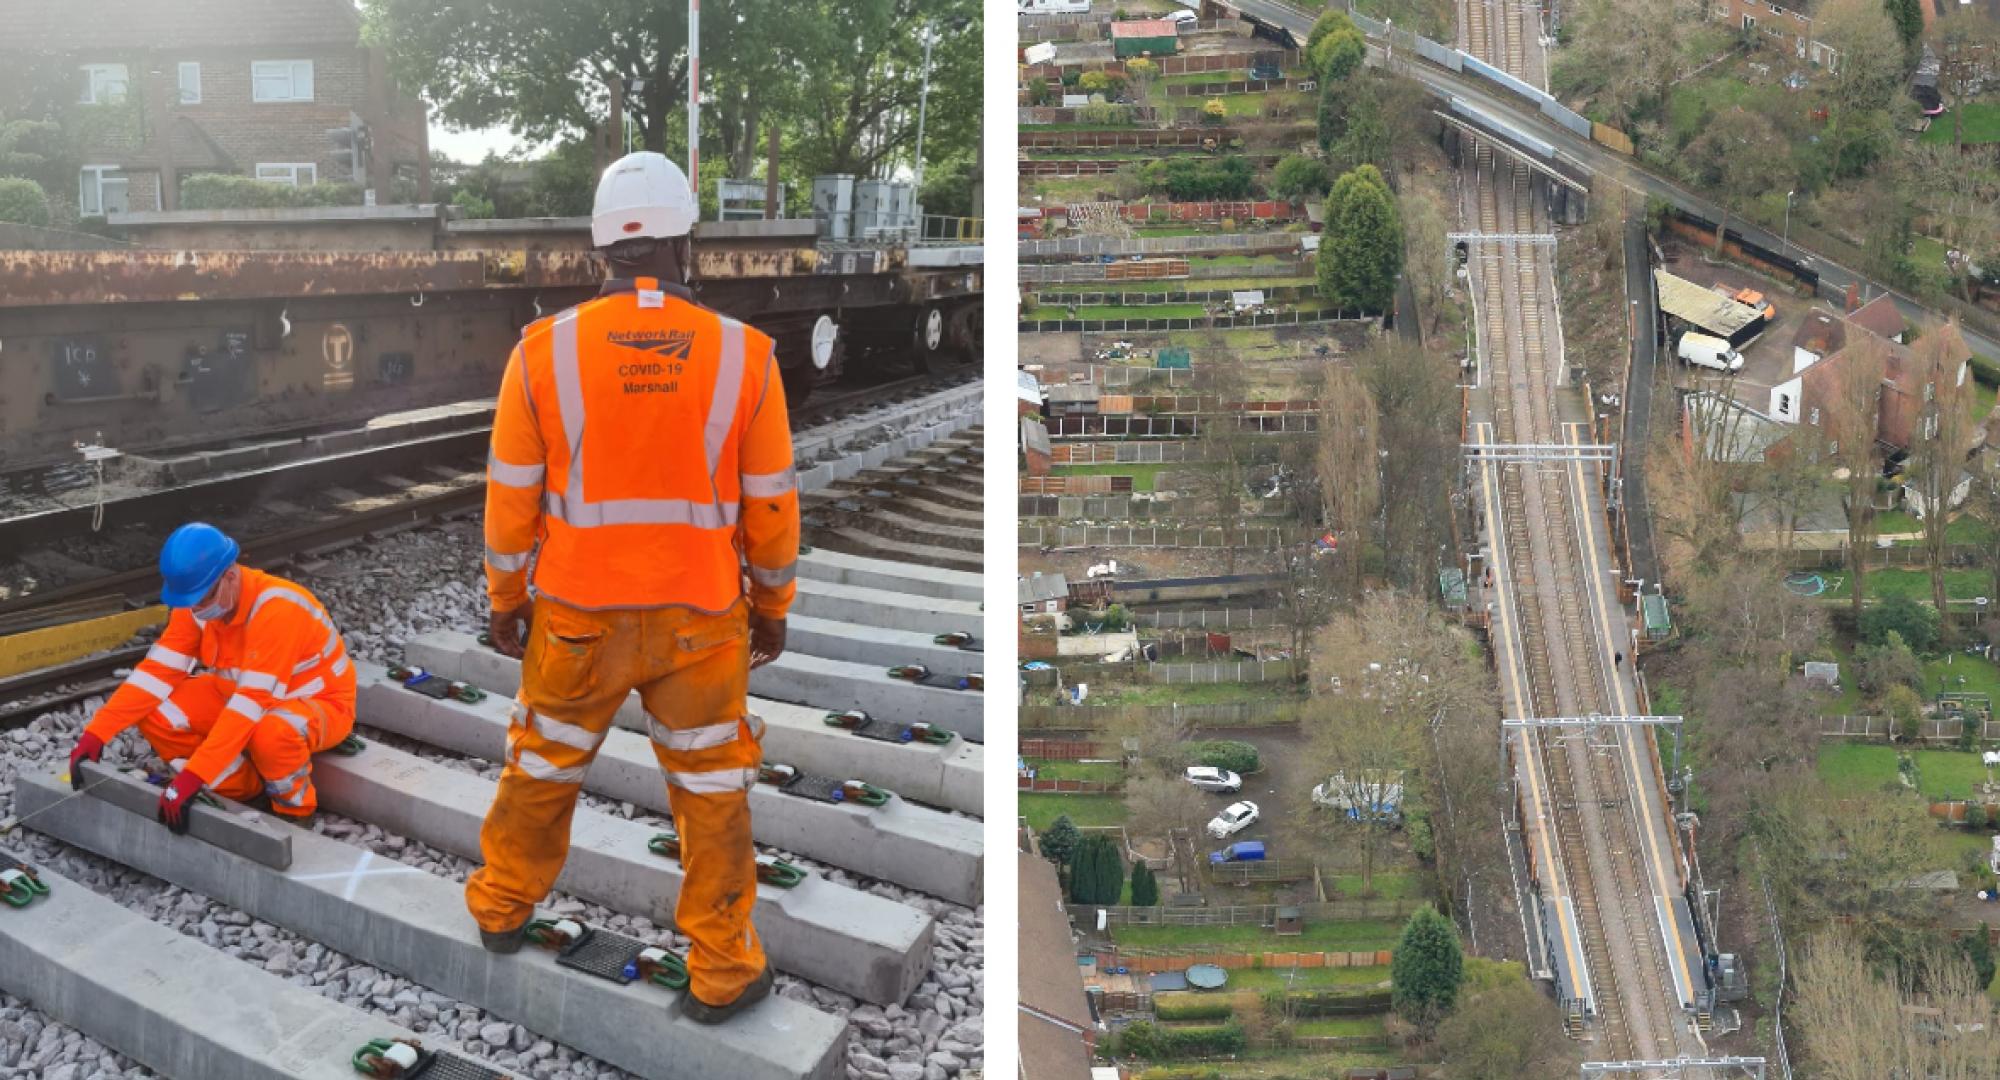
174 801
88 748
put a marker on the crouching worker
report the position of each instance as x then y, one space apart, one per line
247 682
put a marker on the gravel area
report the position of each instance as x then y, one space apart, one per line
383 594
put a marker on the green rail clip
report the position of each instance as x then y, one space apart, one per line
20 885
350 746
773 872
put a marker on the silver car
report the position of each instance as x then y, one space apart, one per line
1212 779
1237 818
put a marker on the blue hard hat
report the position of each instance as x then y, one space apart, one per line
191 561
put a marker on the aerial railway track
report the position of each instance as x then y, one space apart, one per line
1583 782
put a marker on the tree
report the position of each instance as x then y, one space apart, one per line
1361 249
1908 18
1096 873
1941 439
1365 138
1428 263
1900 618
1418 456
22 202
1505 1033
1339 52
1960 192
1928 1016
1862 86
1739 156
1060 840
1349 465
1331 118
1145 888
1330 22
1365 748
1744 610
1888 664
1851 417
1298 176
1625 54
1966 43
1846 853
1426 970
1308 596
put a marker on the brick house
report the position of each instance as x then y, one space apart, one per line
1788 25
247 87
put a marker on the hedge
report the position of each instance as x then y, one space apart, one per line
214 191
1181 1072
1150 1041
1237 757
1345 1001
1191 1007
22 202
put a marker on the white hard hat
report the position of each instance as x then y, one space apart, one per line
641 196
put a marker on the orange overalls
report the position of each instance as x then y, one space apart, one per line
648 528
275 688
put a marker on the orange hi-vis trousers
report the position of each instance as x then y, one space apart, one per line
278 759
692 671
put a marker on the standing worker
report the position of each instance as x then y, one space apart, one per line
642 462
276 685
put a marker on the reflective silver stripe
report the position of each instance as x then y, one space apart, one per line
150 683
700 738
582 738
775 579
175 718
307 664
340 665
290 800
292 720
569 397
230 771
537 766
228 673
245 706
258 680
315 686
728 389
279 787
293 596
640 512
756 726
511 475
770 485
498 561
718 782
179 661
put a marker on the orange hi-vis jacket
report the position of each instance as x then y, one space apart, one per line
278 645
642 458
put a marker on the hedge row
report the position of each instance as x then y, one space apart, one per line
1156 1043
214 191
1191 1007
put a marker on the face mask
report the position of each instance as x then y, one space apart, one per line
218 607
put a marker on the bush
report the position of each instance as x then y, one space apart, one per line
1060 840
213 191
1096 872
1975 816
1237 757
22 202
1347 1001
1906 711
1213 111
1191 1007
1916 621
1428 967
1879 667
1145 887
1148 1040
1298 176
1194 179
1182 1072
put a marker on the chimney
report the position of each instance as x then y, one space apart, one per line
1853 297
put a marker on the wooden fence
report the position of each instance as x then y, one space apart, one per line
1051 786
1240 671
1232 60
1933 729
1122 453
1139 963
1207 618
1049 748
1346 910
1148 536
1096 718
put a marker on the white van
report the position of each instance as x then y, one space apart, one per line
1702 350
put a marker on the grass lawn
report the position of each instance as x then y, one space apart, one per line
1963 674
1203 78
1060 190
1054 294
1108 771
1389 885
1253 104
1964 529
1144 311
1915 584
1173 230
1042 810
1231 339
1941 774
1982 125
1261 979
1353 1027
1715 92
1144 477
1335 935
1192 694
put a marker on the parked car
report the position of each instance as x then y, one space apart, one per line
1353 799
1182 19
1266 71
1240 851
1238 817
1210 779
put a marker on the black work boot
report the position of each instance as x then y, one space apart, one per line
504 942
702 1012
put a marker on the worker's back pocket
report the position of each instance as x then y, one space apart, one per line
713 631
569 655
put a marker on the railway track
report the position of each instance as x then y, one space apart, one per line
1589 787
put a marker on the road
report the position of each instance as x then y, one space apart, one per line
1605 162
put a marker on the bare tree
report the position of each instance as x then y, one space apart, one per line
1846 854
1627 53
1507 1032
1961 195
1748 616
1967 44
1414 392
1739 156
1350 471
1366 749
1940 439
1427 259
1857 1023
1158 800
1228 450
1852 416
1306 599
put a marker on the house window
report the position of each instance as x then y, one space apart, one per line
190 80
1833 448
281 80
104 84
1815 417
1784 404
102 191
1749 23
296 175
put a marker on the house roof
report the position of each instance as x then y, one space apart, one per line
1728 430
1040 587
1144 28
1034 436
1822 333
1704 307
149 25
1880 317
1027 387
1051 998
